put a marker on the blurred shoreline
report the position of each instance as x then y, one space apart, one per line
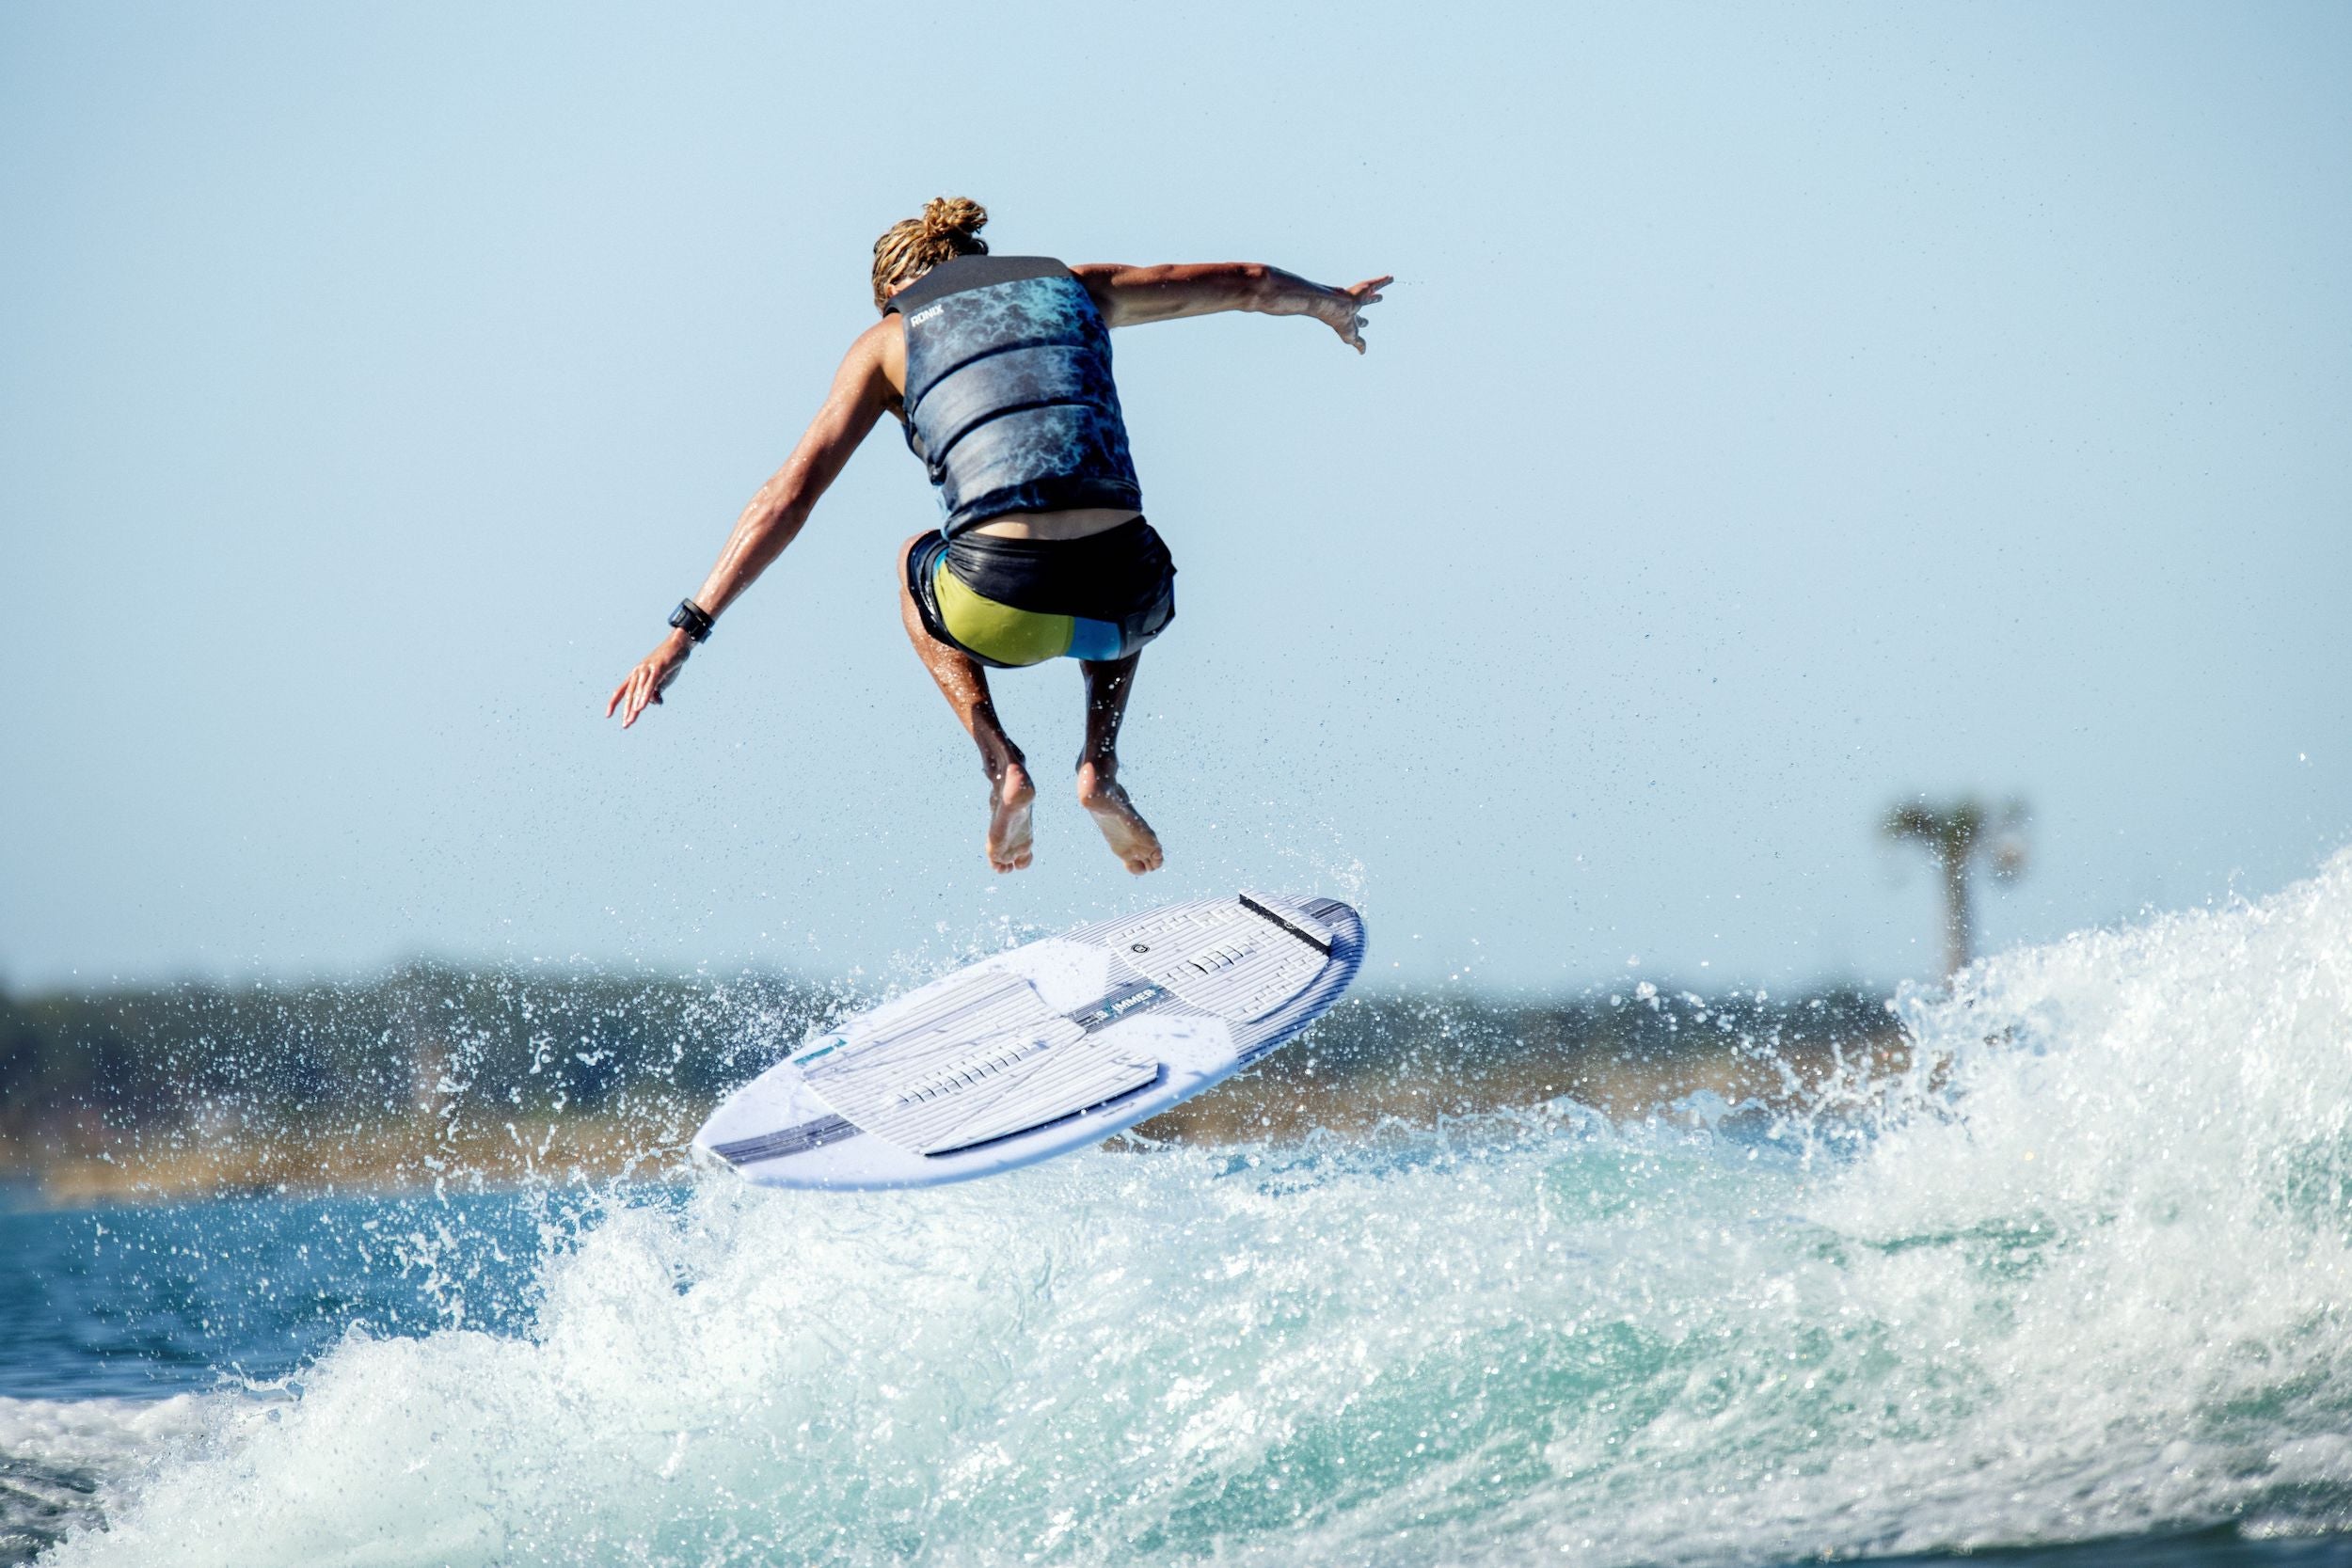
437 1079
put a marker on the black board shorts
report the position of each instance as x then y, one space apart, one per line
1015 602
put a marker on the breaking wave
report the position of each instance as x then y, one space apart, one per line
2083 1272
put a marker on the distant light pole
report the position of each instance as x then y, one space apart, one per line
1955 835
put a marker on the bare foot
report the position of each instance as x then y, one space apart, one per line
1130 836
1009 803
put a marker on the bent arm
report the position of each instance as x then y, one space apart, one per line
1128 297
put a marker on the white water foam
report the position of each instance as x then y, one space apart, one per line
2084 1273
65 1463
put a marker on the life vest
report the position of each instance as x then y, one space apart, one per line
1009 401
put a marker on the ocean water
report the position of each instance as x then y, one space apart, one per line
2076 1291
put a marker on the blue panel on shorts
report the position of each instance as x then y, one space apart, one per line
1097 640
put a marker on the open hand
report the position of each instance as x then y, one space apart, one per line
654 673
1343 309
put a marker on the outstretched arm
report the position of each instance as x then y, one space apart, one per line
860 392
1128 297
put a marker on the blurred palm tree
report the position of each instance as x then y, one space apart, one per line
1956 835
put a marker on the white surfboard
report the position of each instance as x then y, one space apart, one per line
1041 1049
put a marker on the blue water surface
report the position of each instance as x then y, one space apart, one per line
146 1302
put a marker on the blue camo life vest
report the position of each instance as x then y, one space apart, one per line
1009 401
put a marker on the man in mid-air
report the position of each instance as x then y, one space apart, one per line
999 369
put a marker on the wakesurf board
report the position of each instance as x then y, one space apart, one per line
1041 1050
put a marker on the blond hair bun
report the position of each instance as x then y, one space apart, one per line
944 215
949 226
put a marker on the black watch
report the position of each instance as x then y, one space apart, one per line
692 619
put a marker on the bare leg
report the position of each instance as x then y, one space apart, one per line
1130 836
963 681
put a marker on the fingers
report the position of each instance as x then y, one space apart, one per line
643 687
630 698
1364 294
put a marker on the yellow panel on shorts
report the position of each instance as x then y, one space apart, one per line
998 632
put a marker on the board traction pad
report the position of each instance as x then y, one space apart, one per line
989 1059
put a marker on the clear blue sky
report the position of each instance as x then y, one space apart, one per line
1778 409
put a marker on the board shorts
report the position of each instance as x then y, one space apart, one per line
1013 602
